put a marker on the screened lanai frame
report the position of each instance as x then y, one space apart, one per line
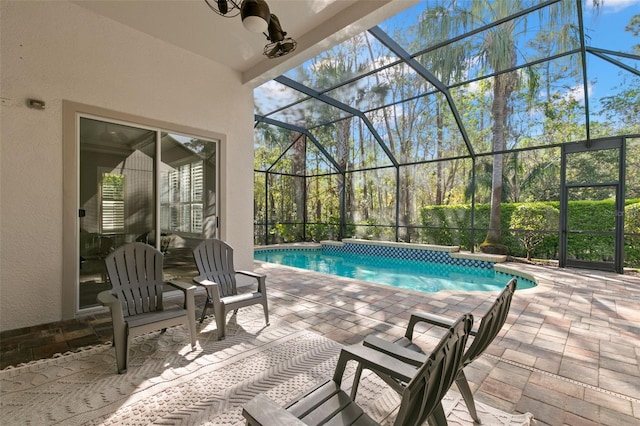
302 111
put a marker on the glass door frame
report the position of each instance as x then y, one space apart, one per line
71 113
591 146
96 276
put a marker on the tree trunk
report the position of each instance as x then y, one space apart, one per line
439 138
503 85
343 134
299 161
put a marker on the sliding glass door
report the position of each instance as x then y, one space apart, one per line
141 184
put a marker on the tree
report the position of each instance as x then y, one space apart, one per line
498 52
447 63
403 123
621 109
531 222
634 28
503 109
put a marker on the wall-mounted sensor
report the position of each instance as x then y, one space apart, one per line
35 103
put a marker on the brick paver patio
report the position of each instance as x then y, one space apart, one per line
569 352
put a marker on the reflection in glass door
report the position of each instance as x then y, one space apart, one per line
188 206
592 206
130 193
117 168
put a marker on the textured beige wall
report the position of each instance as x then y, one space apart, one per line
57 51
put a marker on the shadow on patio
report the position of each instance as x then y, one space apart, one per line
569 352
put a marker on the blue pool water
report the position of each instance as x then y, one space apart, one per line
410 274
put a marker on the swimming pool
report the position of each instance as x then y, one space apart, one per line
411 274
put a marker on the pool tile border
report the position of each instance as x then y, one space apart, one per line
419 252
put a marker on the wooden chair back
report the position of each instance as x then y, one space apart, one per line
423 394
214 259
491 323
135 272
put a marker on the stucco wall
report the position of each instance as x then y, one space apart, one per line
58 50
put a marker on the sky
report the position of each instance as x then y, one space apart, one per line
605 29
609 25
617 5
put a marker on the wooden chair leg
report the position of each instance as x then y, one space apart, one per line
266 312
204 311
356 382
465 390
122 353
221 319
121 344
438 418
209 302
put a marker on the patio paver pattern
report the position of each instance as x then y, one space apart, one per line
569 352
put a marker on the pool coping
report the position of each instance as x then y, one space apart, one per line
284 246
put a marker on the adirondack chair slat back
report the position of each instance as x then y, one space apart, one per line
214 259
434 378
491 323
135 272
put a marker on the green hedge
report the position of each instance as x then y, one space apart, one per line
632 242
450 225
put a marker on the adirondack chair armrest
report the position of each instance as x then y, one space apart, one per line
213 290
200 280
259 277
189 291
374 360
263 411
184 287
106 298
399 352
434 319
